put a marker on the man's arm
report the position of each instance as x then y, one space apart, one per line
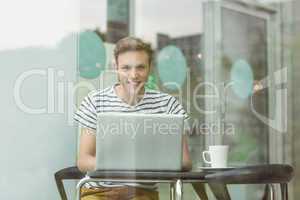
186 159
87 150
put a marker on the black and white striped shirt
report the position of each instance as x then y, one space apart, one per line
153 102
101 101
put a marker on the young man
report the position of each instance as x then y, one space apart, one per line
133 65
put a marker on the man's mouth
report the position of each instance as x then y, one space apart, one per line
134 83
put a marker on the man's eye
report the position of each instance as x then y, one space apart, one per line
125 67
141 67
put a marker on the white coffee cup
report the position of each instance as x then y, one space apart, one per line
218 156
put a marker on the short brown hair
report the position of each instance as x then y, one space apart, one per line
132 44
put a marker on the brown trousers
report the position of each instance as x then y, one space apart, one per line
118 193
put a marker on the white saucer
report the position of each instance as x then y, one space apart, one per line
215 169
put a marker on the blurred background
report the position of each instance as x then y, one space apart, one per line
209 54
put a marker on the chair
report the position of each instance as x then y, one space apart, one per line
64 174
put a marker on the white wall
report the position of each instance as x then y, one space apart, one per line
34 146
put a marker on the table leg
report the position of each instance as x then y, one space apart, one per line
219 190
178 190
284 191
172 191
272 191
79 192
200 190
266 193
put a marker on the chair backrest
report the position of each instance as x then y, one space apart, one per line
64 174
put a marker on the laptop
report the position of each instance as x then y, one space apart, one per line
145 142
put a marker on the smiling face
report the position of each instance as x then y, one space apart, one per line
133 68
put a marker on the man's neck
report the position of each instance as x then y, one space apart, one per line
130 98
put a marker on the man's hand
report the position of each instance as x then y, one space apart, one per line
186 159
257 86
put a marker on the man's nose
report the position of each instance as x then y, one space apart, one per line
133 73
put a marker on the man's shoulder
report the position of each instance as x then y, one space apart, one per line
157 93
98 93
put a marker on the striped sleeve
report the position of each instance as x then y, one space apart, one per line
86 115
176 108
